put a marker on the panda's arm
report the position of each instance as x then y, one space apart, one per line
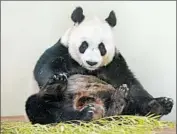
51 68
40 110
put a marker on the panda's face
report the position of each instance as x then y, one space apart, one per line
91 44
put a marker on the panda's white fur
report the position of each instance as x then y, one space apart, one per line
94 31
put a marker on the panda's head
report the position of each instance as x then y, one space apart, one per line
90 41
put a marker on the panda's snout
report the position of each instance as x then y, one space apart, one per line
91 63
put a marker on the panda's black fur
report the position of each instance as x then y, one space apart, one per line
52 70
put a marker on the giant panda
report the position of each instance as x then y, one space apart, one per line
87 48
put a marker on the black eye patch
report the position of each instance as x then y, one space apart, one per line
102 49
83 47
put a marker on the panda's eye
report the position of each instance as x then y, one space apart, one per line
102 49
83 47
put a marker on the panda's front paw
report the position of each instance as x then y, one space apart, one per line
166 103
58 81
87 112
58 78
124 90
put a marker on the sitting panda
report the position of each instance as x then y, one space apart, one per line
87 48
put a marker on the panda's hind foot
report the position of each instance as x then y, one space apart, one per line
166 103
154 108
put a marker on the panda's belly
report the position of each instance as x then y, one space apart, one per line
81 83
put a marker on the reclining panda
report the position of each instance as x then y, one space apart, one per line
87 48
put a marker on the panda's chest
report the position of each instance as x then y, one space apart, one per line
74 68
102 73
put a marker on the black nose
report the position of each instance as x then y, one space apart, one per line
91 63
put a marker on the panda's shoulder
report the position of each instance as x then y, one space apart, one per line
58 49
51 53
120 65
118 59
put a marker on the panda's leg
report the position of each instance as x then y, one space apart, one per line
45 112
52 75
166 103
157 106
143 103
39 111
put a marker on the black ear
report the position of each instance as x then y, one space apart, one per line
77 15
111 19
